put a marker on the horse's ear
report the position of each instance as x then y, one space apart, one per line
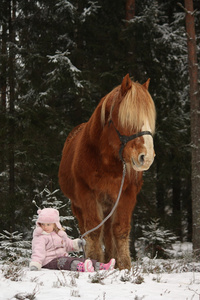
146 84
126 84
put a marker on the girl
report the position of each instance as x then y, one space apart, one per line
50 247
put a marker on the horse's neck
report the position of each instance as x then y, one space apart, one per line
94 127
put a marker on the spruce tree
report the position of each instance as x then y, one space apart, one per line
161 55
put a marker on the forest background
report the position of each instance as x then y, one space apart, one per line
58 59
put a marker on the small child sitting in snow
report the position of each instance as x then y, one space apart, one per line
50 247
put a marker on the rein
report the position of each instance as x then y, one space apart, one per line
124 139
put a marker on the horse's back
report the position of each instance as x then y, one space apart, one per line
73 134
66 179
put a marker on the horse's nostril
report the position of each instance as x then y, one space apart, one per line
141 158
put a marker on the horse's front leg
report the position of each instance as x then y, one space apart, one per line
121 231
108 240
92 216
94 246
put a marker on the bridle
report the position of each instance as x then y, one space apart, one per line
124 139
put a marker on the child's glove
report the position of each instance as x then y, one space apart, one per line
35 266
78 244
81 243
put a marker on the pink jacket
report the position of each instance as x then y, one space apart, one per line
47 246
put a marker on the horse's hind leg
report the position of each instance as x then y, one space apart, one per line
77 212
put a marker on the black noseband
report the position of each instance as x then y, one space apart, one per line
124 139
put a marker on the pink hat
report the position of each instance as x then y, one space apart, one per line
49 215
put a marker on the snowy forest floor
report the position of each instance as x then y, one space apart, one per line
149 279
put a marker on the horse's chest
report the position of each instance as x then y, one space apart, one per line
109 185
106 202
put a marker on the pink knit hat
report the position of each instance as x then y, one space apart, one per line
49 215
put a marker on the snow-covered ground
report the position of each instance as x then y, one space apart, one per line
177 279
61 285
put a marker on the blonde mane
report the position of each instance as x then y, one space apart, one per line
136 107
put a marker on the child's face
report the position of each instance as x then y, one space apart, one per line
48 227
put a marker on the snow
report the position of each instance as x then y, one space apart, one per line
177 278
93 8
61 285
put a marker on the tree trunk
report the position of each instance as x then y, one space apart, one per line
131 58
3 68
3 82
195 121
176 203
11 138
130 14
130 9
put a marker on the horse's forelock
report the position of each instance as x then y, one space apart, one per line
136 108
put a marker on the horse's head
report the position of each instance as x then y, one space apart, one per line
132 118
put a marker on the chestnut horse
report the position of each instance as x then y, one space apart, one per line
90 173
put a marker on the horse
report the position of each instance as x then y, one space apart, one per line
120 130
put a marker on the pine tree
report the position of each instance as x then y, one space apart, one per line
161 55
156 240
46 85
67 55
14 248
47 198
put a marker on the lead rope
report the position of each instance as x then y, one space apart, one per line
112 211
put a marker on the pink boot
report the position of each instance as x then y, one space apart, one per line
109 266
85 266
